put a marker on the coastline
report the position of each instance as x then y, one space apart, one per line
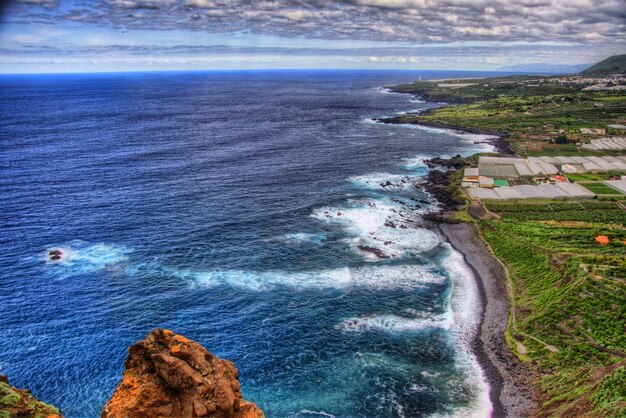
510 387
500 142
511 390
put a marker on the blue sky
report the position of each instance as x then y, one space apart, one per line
122 35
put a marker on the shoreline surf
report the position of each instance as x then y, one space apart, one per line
509 391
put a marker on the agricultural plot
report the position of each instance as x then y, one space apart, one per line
519 117
591 212
591 176
569 294
599 188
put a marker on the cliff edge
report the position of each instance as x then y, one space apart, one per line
20 403
168 375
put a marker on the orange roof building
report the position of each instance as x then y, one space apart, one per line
602 239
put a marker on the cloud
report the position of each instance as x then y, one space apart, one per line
404 33
441 21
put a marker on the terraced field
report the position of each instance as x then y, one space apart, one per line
569 315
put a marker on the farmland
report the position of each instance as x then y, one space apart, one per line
531 124
565 260
569 312
599 188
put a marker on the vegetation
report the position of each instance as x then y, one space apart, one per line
614 64
610 398
531 123
591 176
604 212
600 188
565 259
570 297
481 89
20 403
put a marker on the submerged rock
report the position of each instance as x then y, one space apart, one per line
20 403
168 375
55 255
373 250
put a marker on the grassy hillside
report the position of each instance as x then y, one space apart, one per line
531 123
479 89
20 403
611 65
569 315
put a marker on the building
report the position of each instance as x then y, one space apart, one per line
471 177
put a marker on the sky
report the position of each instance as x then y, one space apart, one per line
138 35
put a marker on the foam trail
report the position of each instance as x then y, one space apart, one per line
417 162
382 181
307 412
405 277
465 314
83 256
392 323
303 238
375 223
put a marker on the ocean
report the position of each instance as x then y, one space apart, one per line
264 214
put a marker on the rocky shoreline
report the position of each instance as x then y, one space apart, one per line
166 375
501 143
510 380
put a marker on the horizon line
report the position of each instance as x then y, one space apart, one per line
266 70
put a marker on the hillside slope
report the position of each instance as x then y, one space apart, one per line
611 65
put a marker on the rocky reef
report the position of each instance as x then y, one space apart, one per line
168 375
20 403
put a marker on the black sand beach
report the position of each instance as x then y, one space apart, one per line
510 385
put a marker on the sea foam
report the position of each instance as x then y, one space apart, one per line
405 277
390 228
88 257
392 323
303 238
465 316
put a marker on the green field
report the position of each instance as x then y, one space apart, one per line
480 89
568 317
532 124
569 299
590 176
599 188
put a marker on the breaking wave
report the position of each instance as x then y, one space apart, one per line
405 277
392 323
88 257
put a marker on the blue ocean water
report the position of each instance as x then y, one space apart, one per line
239 209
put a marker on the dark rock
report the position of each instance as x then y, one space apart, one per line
378 253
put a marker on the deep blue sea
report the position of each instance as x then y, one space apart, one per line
238 209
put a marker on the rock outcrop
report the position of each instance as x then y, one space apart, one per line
168 375
20 403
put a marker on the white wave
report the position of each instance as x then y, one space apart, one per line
374 223
465 300
392 323
303 237
89 257
382 181
406 277
307 412
419 161
370 120
465 315
430 375
385 90
412 111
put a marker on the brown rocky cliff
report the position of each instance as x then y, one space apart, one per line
168 375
